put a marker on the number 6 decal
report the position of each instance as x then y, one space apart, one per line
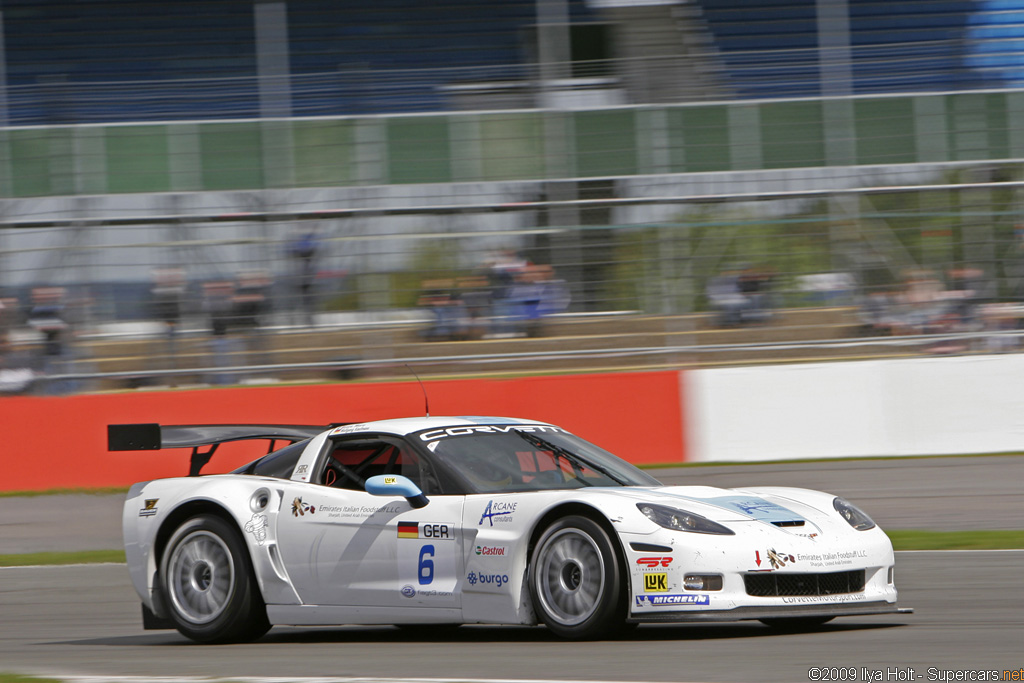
426 565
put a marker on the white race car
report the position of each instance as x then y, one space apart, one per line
477 520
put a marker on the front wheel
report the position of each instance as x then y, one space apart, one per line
207 578
575 579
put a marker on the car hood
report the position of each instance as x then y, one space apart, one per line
800 511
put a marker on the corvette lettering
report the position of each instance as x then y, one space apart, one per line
434 434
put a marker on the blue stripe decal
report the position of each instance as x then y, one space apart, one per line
757 508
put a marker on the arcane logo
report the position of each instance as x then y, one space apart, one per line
498 510
654 562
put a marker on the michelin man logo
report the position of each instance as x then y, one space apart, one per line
257 526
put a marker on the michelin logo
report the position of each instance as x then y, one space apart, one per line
656 600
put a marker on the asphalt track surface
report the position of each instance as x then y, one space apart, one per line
84 620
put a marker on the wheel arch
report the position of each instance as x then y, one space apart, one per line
186 511
175 519
592 513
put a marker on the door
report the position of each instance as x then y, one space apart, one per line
343 546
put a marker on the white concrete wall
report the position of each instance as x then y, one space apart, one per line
925 406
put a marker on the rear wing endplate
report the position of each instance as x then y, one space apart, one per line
153 437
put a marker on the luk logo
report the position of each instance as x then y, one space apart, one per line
653 562
656 582
502 510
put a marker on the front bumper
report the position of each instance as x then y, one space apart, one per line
744 613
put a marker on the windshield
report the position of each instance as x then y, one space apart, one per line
510 458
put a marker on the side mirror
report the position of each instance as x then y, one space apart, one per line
396 485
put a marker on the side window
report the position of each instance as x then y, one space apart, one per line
351 462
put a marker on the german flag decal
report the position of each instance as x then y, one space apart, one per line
408 529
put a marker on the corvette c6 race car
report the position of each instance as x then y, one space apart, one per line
477 520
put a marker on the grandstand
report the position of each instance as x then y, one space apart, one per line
131 60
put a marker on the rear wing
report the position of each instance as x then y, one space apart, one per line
153 437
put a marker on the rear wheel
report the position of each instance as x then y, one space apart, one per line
207 577
575 579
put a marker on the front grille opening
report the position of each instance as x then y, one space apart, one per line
774 584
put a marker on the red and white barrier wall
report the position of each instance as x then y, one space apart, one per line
920 406
924 406
60 442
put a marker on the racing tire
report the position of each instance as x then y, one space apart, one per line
575 580
796 623
208 582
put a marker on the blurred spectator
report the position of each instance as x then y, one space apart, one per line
304 249
503 272
756 284
447 310
250 308
827 289
48 319
14 377
538 294
476 299
218 302
726 299
167 300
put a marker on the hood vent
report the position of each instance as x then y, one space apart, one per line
794 522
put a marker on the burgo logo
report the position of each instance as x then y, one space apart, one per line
654 562
497 579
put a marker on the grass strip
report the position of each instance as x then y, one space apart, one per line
102 491
902 539
913 539
17 678
53 558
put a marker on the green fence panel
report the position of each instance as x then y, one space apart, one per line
885 131
32 152
700 139
977 126
137 159
419 150
325 153
792 135
512 146
605 143
232 156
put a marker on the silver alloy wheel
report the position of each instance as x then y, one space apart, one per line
570 576
201 577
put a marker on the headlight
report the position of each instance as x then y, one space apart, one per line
856 517
681 520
